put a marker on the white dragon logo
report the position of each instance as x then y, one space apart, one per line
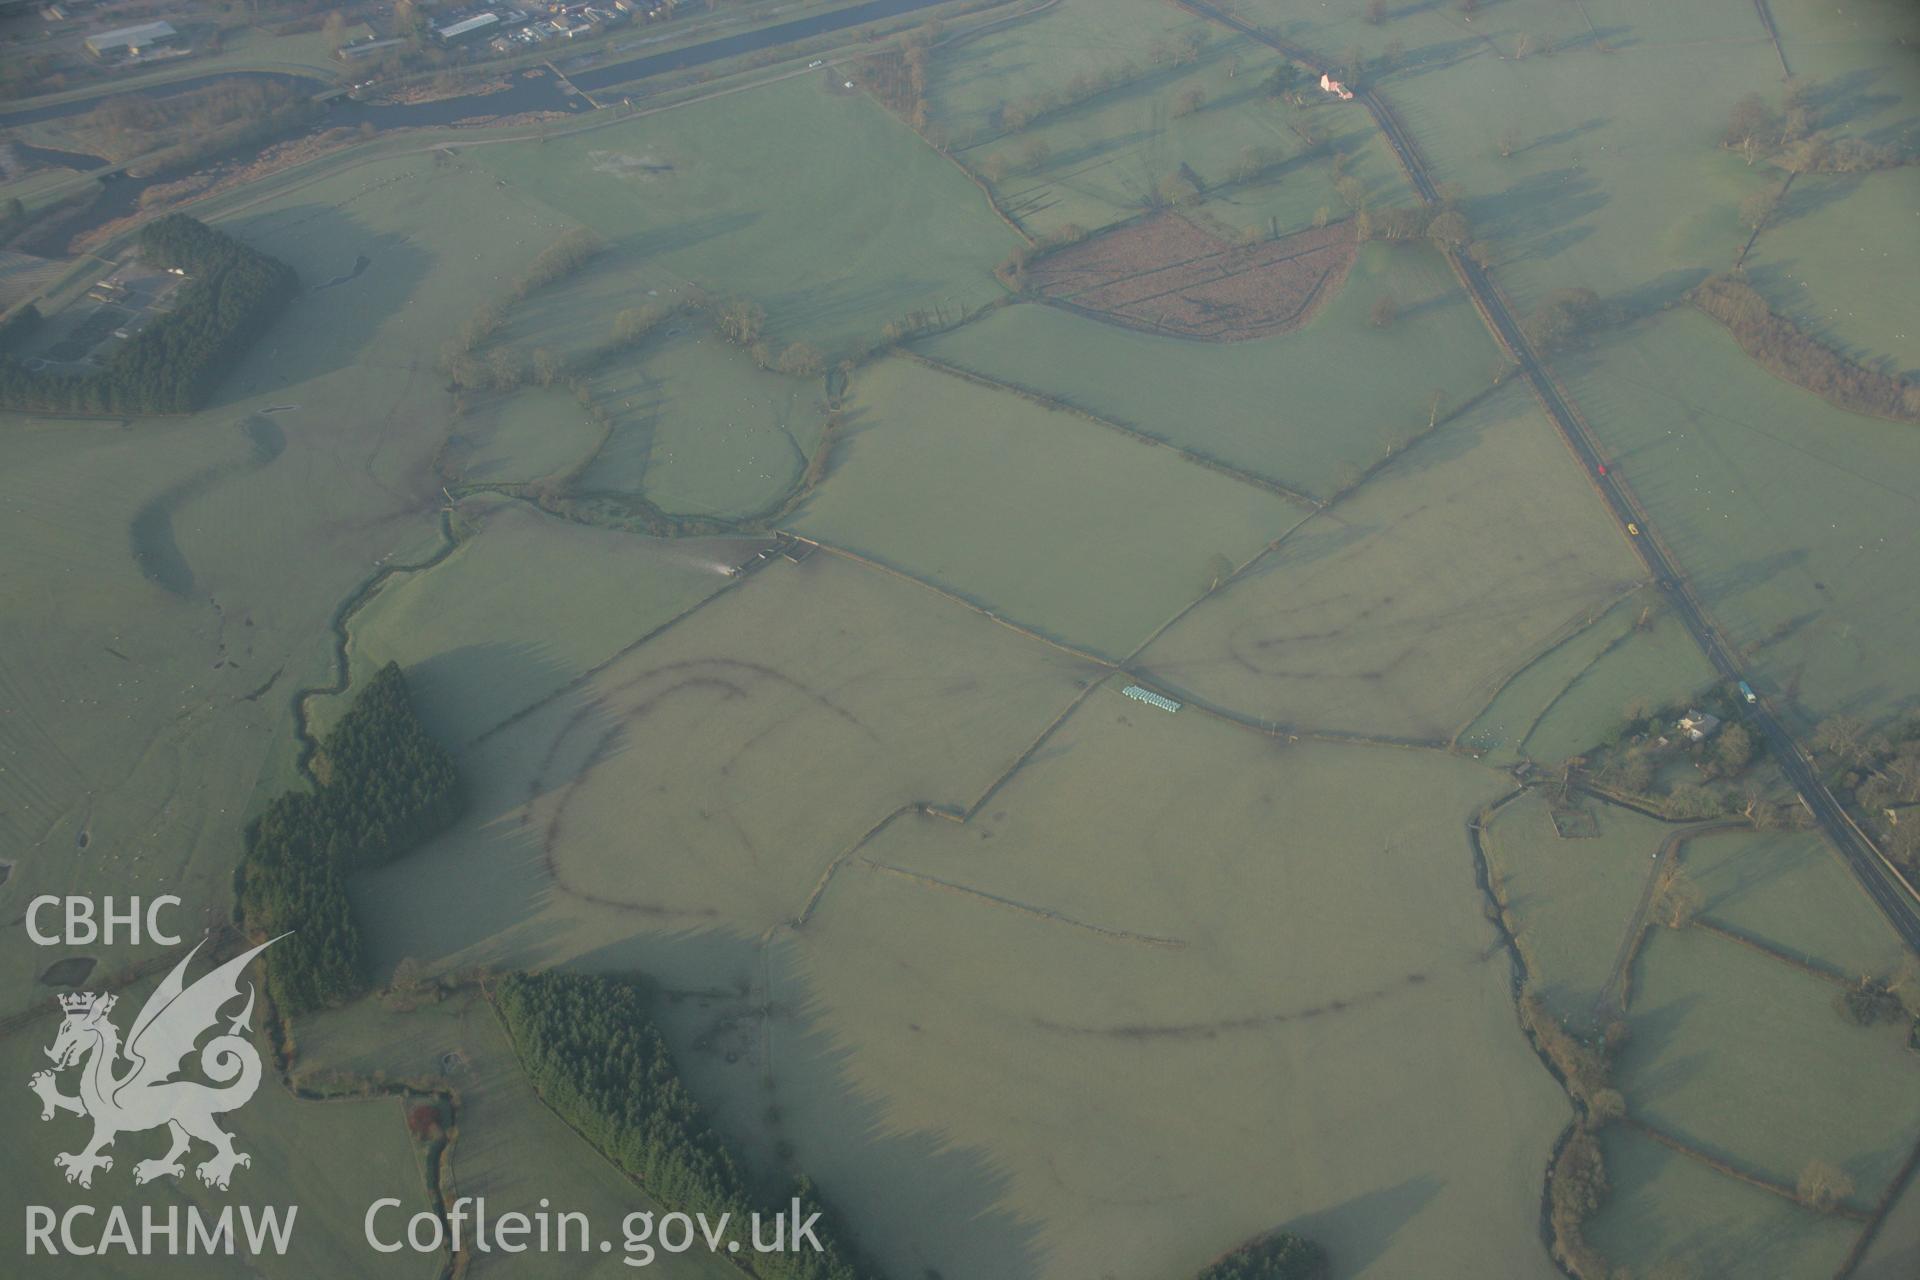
146 1095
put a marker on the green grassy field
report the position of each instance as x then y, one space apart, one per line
1434 35
976 75
1106 158
1038 982
1654 666
1401 610
1571 696
171 585
1615 179
1748 1059
1790 890
1789 516
1823 257
118 692
1895 1251
329 1158
690 794
476 632
979 1029
1854 52
818 205
699 429
521 437
1504 728
1582 141
1667 1209
509 1149
1285 407
1571 901
1063 525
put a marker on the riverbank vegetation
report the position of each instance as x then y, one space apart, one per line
1577 1187
174 132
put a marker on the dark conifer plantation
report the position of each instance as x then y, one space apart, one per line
385 787
591 1049
231 295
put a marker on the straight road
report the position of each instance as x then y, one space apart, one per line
1879 881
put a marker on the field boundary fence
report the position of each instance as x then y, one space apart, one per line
1059 405
1888 1198
1754 1180
1805 964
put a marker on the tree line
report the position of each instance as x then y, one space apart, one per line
1788 138
898 76
46 229
1787 351
565 256
1577 1183
1877 772
232 293
384 786
591 1049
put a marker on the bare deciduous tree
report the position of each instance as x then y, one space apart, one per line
741 320
1677 899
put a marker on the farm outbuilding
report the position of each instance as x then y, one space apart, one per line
1698 725
1151 698
131 42
466 27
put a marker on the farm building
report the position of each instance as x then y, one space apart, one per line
1149 697
465 27
1698 726
367 48
132 42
